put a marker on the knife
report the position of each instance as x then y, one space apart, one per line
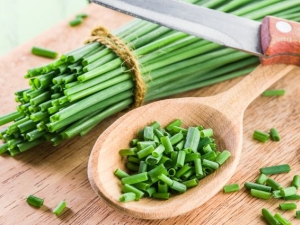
274 40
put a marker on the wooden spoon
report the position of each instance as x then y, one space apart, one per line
222 112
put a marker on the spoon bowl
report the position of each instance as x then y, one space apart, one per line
223 113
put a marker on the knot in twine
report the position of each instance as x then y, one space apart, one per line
103 36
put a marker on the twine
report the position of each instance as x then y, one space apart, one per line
102 35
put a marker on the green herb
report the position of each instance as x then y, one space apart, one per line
127 197
260 194
278 92
44 52
261 136
250 185
269 217
284 168
160 168
35 201
288 206
93 83
75 22
59 208
231 188
274 134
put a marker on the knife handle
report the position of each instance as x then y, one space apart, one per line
280 41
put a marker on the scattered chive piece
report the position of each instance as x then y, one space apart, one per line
274 134
289 191
262 178
82 15
58 209
136 178
75 22
284 168
273 184
44 52
127 197
260 194
269 217
298 214
250 185
292 197
261 136
275 92
35 201
296 181
288 206
231 188
281 219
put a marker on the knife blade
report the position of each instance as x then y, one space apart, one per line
235 32
272 40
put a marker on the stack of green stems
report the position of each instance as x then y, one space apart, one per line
73 94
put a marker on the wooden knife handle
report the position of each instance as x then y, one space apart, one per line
280 41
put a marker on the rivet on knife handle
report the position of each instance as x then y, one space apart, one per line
280 41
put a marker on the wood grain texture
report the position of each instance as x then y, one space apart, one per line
57 173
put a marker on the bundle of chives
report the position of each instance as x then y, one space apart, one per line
74 93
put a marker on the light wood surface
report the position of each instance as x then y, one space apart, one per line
57 173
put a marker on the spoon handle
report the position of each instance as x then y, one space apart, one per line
243 93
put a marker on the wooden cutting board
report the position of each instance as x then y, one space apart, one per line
57 173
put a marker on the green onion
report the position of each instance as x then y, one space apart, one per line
284 168
75 22
59 208
298 214
250 185
231 188
277 92
273 184
261 136
35 201
274 134
260 194
262 178
44 52
127 197
93 82
296 181
289 191
288 206
159 166
269 217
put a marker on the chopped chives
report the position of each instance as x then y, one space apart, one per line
231 188
44 52
250 185
128 151
120 173
145 152
165 140
298 214
296 181
269 217
148 133
129 188
261 179
190 183
273 184
180 158
75 22
260 194
158 150
261 136
274 135
284 168
288 206
289 191
164 196
176 122
59 208
143 167
177 186
162 187
275 92
281 219
35 201
192 139
223 156
127 197
292 197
